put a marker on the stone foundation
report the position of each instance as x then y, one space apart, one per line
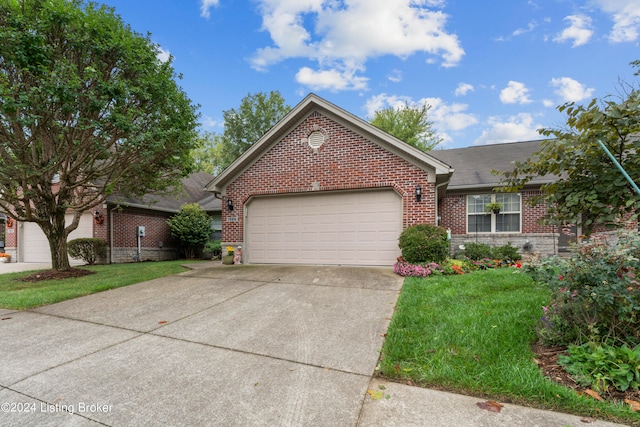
539 243
122 255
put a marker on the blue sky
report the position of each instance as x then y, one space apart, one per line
492 71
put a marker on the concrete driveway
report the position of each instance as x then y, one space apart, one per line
240 345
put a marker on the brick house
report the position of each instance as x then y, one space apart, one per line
117 222
463 207
325 187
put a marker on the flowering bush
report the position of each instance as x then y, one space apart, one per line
596 294
405 269
3 255
448 267
486 263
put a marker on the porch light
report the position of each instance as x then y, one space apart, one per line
98 217
418 193
229 204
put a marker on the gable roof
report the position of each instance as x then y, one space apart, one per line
474 164
193 190
313 103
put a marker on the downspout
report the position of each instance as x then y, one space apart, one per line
111 236
436 204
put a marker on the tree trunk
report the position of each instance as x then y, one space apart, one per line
57 236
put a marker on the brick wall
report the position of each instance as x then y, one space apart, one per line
452 210
345 161
11 239
156 245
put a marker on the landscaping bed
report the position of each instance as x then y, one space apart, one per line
473 334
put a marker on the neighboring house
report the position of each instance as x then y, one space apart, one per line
325 187
117 222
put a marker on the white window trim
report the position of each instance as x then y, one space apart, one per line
493 216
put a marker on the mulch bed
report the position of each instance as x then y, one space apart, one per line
55 275
546 358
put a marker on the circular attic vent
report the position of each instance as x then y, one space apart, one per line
316 139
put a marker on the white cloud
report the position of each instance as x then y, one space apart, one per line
548 103
333 80
209 122
515 93
579 30
463 89
626 19
515 128
570 90
445 117
205 6
344 34
530 27
163 55
395 76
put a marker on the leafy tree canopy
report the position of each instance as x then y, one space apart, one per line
244 126
409 124
210 154
86 109
589 188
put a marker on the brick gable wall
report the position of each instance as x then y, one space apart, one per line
346 161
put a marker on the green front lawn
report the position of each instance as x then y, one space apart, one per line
472 334
24 295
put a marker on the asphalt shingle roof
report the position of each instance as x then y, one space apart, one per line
473 165
192 191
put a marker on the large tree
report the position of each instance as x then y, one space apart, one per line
409 124
588 188
86 109
257 113
209 156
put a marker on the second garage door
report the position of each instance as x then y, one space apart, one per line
343 228
35 246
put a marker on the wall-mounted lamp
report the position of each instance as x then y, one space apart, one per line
98 217
229 204
418 193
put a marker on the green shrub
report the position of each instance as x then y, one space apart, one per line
595 293
424 243
191 227
87 249
602 366
477 251
214 247
507 253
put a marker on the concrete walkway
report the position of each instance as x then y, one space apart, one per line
230 346
15 267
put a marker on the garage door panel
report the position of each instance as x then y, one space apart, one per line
35 246
359 228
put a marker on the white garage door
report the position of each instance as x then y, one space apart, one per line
346 228
35 246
